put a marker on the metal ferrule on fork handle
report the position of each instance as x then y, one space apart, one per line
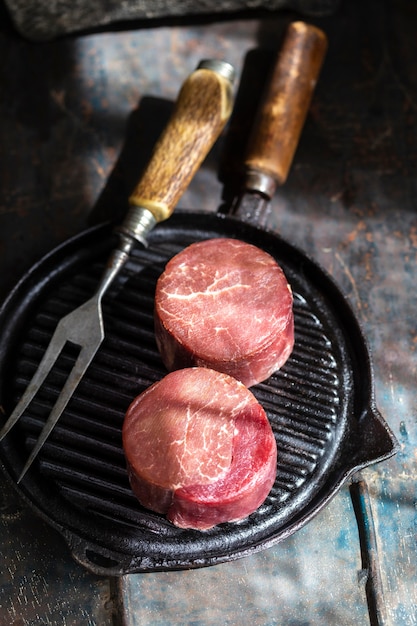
136 226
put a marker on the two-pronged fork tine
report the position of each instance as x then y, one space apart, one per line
84 359
194 126
82 327
49 358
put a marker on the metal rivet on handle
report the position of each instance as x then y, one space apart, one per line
220 67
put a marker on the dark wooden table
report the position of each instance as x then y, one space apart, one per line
349 202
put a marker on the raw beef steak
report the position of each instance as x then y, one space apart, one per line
199 449
224 304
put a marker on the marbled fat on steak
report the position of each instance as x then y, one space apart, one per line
224 304
199 449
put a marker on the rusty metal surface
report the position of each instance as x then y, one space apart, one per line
350 202
298 582
38 583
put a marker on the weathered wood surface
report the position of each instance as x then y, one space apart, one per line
350 202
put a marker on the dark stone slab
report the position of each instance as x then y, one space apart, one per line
41 20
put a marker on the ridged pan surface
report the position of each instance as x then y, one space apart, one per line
320 404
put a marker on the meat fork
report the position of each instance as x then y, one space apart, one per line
203 106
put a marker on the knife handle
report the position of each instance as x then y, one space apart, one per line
203 106
284 106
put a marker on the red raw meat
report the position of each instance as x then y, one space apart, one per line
199 449
224 304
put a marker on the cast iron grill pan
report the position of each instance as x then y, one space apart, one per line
320 404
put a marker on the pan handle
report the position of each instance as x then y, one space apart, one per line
203 106
283 109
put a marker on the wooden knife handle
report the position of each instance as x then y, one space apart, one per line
203 106
283 109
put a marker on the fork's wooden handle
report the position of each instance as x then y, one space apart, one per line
202 109
284 107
